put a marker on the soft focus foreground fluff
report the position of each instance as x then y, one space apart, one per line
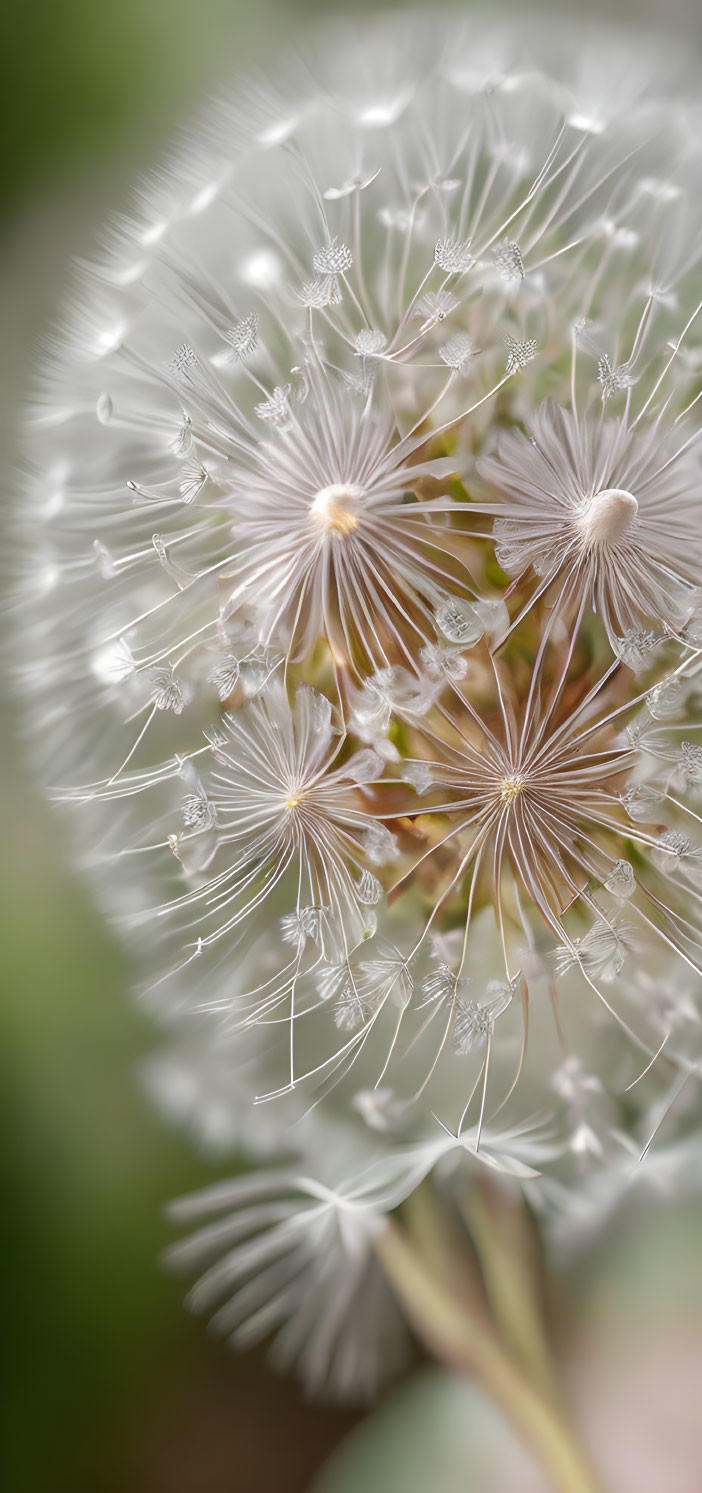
363 631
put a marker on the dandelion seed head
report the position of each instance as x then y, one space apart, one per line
359 584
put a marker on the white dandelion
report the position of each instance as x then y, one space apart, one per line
407 854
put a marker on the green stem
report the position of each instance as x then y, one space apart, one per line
469 1345
506 1241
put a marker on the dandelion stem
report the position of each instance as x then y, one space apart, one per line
461 1339
506 1241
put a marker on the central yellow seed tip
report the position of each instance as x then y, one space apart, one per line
291 803
333 508
511 788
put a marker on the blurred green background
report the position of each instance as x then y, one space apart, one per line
108 1384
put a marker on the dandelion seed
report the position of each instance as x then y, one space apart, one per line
458 352
297 927
677 853
606 507
475 1020
319 1243
621 881
225 676
278 802
453 257
643 803
198 813
333 259
612 380
379 845
354 184
166 692
369 342
325 536
665 699
520 353
507 257
602 951
443 987
419 774
361 989
434 307
444 663
377 1108
243 337
276 408
370 890
317 294
459 621
691 761
637 647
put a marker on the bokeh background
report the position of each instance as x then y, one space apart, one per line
109 1386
